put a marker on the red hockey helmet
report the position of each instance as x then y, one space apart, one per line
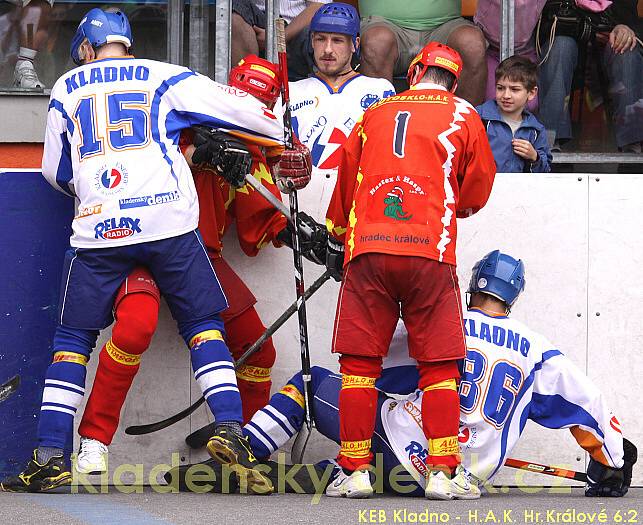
437 55
258 77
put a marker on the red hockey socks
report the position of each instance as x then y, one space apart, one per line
119 361
357 409
441 414
253 377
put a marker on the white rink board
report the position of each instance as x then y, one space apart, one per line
552 222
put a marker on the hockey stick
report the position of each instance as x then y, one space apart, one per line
545 469
280 31
265 193
137 430
200 437
10 387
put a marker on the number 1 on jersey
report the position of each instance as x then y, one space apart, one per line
399 136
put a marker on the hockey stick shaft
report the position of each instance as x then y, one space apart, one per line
199 438
546 469
137 430
265 193
280 31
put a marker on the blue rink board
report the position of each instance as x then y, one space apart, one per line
35 225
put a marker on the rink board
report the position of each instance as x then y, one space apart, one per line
587 305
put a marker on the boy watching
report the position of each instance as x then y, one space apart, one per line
518 140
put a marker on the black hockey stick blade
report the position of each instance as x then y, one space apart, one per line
200 437
138 430
9 388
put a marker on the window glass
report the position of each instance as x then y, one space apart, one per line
39 33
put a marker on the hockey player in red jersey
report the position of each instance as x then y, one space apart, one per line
137 303
412 164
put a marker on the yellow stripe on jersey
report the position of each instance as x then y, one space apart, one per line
120 356
352 218
335 230
207 335
70 357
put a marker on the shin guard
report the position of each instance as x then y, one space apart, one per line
214 371
441 414
357 409
119 361
253 376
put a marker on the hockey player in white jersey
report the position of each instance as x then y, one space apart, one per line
510 374
112 141
326 106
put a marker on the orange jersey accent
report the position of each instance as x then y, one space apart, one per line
258 222
411 164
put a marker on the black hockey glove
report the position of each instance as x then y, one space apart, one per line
312 238
226 154
335 258
603 481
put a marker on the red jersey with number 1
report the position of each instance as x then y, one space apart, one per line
411 164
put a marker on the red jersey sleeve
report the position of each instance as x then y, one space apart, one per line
258 222
478 172
348 179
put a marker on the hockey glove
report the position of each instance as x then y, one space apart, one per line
604 481
226 154
312 238
293 170
335 258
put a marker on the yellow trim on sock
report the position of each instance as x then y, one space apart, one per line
254 374
70 357
120 356
357 382
293 393
207 335
445 446
447 384
355 449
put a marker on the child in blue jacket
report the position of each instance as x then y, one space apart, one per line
518 140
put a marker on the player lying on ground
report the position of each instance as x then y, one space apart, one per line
511 374
112 137
221 203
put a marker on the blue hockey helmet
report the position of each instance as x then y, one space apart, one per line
499 275
336 17
100 28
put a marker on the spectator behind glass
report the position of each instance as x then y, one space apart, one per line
32 25
518 140
488 18
394 32
249 32
621 60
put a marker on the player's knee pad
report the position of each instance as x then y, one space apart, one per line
436 375
75 340
136 320
264 357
